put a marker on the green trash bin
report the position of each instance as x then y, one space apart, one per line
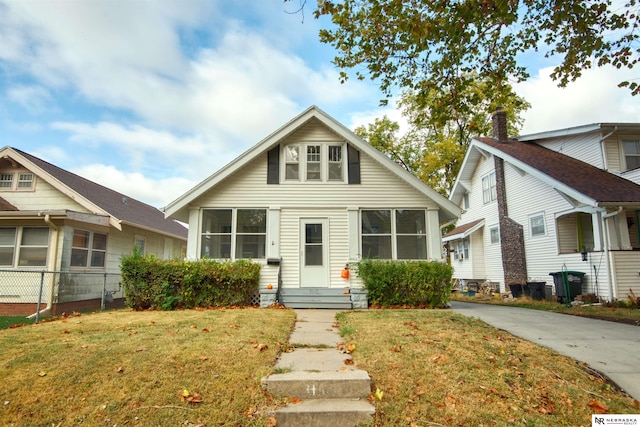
574 280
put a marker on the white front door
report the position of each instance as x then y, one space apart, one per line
314 252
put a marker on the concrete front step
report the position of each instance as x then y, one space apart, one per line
320 385
326 412
331 298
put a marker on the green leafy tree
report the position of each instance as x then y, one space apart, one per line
421 44
434 145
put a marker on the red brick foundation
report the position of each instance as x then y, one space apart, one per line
21 309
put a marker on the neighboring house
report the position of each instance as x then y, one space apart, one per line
541 203
305 202
53 220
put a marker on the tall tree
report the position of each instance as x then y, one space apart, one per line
419 44
434 145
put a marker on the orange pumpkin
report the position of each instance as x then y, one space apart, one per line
269 286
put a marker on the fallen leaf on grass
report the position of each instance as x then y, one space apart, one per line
412 324
271 422
597 407
119 369
232 326
294 400
396 348
141 349
206 330
379 394
497 393
190 398
42 374
203 358
261 347
434 358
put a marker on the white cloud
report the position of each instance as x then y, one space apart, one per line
157 193
593 98
35 99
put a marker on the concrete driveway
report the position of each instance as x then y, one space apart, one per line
609 347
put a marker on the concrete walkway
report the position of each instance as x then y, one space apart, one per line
333 391
609 347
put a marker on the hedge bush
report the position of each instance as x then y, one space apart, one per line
402 283
151 283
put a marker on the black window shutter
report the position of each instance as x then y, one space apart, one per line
353 169
273 166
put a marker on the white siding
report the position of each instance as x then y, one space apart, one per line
379 189
487 266
584 147
45 197
627 270
613 153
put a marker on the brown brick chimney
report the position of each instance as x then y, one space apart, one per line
500 131
514 261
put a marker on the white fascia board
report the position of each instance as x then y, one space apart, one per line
463 180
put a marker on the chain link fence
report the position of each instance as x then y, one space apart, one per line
28 292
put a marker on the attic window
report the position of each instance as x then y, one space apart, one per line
17 181
6 180
314 162
25 181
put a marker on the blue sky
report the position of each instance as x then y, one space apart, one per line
150 97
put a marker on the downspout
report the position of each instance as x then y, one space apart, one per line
54 257
613 291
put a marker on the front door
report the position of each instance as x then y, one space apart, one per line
314 253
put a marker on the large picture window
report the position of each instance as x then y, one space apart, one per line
24 246
88 249
233 233
394 234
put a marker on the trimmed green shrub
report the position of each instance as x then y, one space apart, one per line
410 283
150 283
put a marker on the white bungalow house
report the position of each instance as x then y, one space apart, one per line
69 232
306 201
567 200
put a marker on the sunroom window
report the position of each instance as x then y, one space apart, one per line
394 234
233 233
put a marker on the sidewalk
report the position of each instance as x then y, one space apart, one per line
609 347
332 390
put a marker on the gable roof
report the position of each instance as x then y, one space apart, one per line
178 208
462 231
576 179
97 198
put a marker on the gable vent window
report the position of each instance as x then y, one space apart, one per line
314 162
20 181
6 180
